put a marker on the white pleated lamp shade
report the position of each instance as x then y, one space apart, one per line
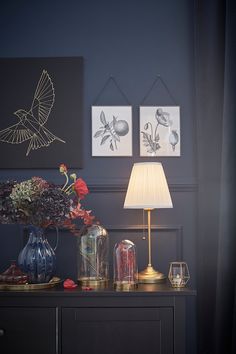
148 188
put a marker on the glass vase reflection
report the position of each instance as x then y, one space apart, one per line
93 247
37 259
125 266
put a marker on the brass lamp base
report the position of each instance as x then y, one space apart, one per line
151 276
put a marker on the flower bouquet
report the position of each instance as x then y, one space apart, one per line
43 204
39 204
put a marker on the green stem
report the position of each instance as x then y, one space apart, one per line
156 130
67 189
67 180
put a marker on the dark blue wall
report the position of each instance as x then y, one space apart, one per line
133 41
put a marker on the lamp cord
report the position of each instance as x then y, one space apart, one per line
144 235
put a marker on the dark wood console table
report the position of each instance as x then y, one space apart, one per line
149 320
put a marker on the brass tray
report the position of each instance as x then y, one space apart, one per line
53 282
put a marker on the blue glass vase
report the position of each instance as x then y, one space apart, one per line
37 259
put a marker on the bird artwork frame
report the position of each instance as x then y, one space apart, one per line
160 131
41 112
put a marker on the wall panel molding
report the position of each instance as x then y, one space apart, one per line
176 229
121 188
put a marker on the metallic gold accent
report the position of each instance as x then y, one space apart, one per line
93 282
14 287
150 275
125 286
178 286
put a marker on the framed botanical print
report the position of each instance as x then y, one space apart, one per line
159 131
111 131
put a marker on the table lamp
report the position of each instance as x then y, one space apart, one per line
148 190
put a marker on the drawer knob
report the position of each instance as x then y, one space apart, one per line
1 332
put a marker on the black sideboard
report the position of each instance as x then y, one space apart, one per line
151 319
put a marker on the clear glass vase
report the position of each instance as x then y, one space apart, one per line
125 266
93 263
37 259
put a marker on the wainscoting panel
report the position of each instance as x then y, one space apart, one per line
166 241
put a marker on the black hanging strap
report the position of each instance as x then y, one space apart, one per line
111 78
159 78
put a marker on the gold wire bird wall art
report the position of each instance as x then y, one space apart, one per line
31 123
41 112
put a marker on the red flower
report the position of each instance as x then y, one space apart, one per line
88 219
81 188
69 284
77 212
63 168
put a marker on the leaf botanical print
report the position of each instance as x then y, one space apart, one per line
111 131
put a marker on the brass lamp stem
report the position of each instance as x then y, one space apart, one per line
150 275
149 238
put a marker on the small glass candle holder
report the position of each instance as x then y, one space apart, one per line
93 248
125 266
178 274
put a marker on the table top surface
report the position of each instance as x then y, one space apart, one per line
142 290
